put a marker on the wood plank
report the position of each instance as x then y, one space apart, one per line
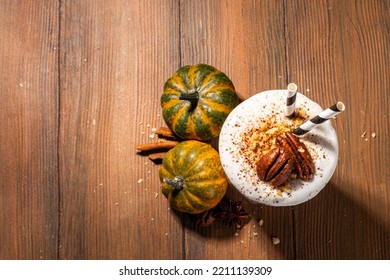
339 50
115 58
28 129
244 39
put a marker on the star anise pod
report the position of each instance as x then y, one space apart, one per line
205 218
230 213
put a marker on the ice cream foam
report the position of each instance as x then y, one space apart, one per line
250 131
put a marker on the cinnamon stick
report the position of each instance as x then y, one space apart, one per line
165 132
155 146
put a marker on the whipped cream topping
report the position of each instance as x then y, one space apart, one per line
250 130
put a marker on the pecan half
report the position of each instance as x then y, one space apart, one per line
289 157
302 156
284 174
282 142
275 166
265 163
278 165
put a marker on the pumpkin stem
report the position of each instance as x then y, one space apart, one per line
177 182
192 96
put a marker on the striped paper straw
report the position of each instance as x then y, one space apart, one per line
291 96
325 115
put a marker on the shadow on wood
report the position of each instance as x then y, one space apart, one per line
331 224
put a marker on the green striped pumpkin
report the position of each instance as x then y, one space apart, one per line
196 101
192 177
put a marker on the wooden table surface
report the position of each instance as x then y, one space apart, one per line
80 86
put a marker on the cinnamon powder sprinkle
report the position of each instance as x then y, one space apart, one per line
259 140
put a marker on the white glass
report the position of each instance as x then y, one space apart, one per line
321 142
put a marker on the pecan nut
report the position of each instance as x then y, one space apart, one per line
275 166
302 156
289 157
284 174
265 163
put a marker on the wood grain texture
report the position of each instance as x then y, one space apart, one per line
244 39
28 129
339 50
115 58
80 85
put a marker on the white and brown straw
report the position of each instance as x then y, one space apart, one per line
291 96
325 115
